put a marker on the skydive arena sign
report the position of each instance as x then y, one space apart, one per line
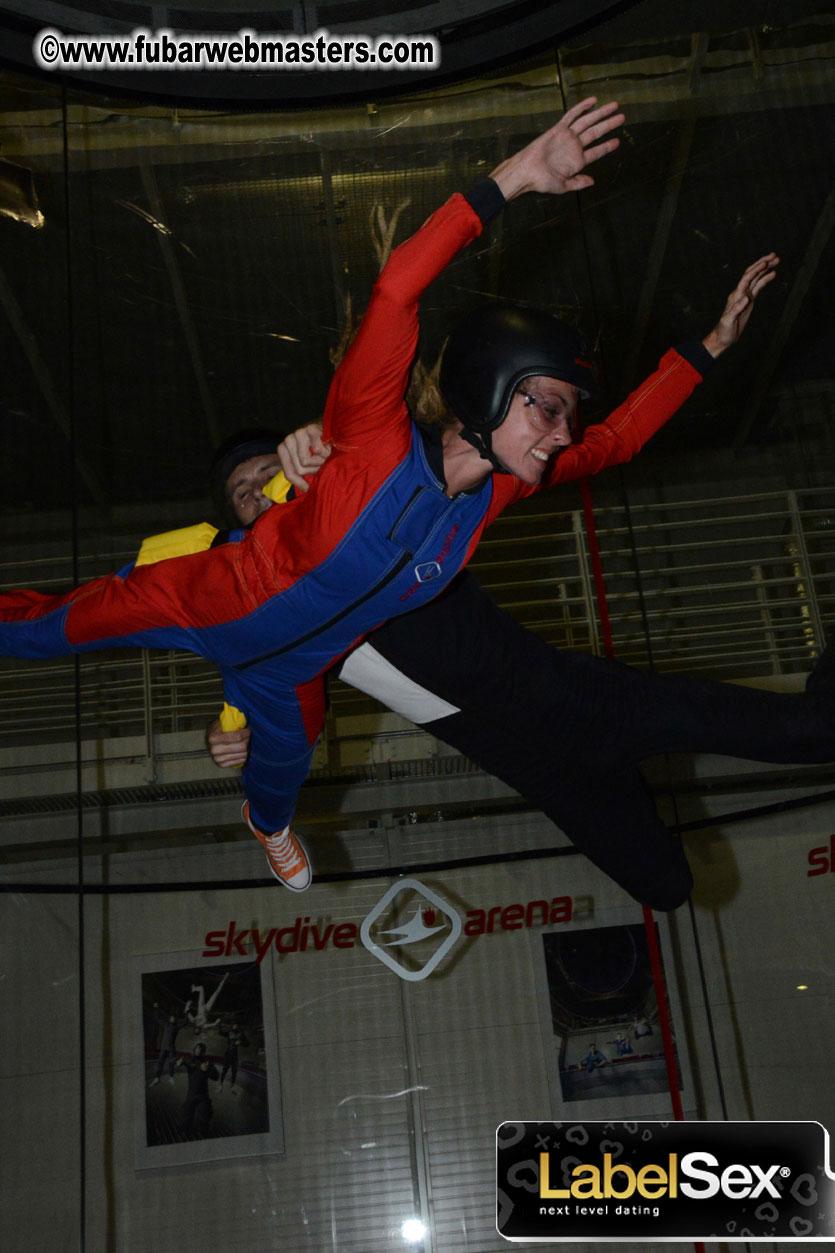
616 1182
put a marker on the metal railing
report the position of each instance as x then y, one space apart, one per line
736 587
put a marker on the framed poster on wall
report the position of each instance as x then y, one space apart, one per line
604 1051
207 1083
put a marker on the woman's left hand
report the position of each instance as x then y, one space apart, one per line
740 303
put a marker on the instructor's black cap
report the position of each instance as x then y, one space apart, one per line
253 441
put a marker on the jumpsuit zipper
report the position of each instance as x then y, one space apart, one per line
343 613
325 626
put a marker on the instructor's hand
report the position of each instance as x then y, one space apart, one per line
303 453
228 748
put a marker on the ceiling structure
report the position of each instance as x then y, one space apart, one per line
169 274
475 34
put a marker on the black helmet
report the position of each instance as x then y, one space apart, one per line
493 348
253 441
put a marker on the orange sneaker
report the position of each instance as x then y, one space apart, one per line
285 855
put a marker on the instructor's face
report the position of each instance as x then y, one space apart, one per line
244 487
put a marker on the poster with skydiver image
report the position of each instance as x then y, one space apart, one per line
601 1028
207 1077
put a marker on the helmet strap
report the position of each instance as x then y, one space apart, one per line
483 444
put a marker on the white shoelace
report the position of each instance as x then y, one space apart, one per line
281 847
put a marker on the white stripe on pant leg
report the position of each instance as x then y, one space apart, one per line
370 672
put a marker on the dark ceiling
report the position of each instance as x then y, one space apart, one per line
191 272
474 35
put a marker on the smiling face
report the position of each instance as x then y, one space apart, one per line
245 483
537 427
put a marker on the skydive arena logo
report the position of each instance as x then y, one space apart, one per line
411 929
411 919
654 1181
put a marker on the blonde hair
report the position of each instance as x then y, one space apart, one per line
423 396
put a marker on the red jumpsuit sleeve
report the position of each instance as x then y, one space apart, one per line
367 391
628 428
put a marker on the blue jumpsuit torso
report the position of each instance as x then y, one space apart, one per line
405 546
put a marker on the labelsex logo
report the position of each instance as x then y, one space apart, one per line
409 915
639 1182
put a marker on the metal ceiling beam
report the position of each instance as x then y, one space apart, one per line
495 255
337 264
699 45
113 136
169 257
43 377
803 280
658 250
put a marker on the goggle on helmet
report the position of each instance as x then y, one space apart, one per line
493 349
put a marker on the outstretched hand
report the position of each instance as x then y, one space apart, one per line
303 452
555 161
740 304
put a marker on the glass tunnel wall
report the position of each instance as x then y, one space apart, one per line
170 276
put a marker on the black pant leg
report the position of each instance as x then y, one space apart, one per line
473 655
202 1117
466 650
610 816
189 1109
659 713
567 730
